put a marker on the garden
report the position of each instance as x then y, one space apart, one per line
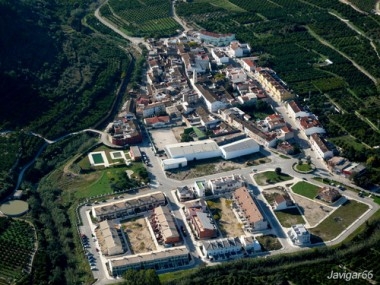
17 246
306 189
271 177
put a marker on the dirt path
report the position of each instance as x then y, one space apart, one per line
326 43
353 6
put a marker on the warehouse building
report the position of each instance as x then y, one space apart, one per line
239 148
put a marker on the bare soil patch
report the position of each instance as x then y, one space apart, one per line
312 211
139 237
227 223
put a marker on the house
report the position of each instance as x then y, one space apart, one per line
214 101
154 109
157 122
134 153
215 38
328 194
128 207
285 147
285 133
249 211
237 49
220 56
310 125
200 187
274 85
250 244
164 227
125 132
267 139
295 110
248 64
336 164
110 241
185 193
299 235
203 225
169 258
282 202
236 75
222 248
225 184
275 121
319 145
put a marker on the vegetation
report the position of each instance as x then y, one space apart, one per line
289 217
17 246
306 189
147 18
339 220
344 97
271 177
269 242
141 277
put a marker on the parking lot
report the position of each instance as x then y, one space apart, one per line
163 137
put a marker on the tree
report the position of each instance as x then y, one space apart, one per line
278 170
141 277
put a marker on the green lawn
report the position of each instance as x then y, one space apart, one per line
339 220
289 217
271 177
376 199
306 189
304 167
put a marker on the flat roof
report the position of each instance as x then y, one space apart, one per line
182 149
246 143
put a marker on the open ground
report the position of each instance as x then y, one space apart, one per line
228 224
139 237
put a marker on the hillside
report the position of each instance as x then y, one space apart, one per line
56 75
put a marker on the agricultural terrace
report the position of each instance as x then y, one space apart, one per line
339 220
144 18
225 218
17 246
328 53
306 189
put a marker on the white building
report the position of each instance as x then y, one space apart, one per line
239 148
220 56
248 64
236 75
200 187
237 49
222 248
185 193
193 150
250 244
299 234
153 109
295 110
172 163
225 184
212 102
319 145
216 39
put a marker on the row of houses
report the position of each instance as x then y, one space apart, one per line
128 207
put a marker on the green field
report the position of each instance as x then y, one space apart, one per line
339 220
289 217
148 18
306 189
304 167
271 177
269 242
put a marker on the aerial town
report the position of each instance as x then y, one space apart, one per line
205 85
